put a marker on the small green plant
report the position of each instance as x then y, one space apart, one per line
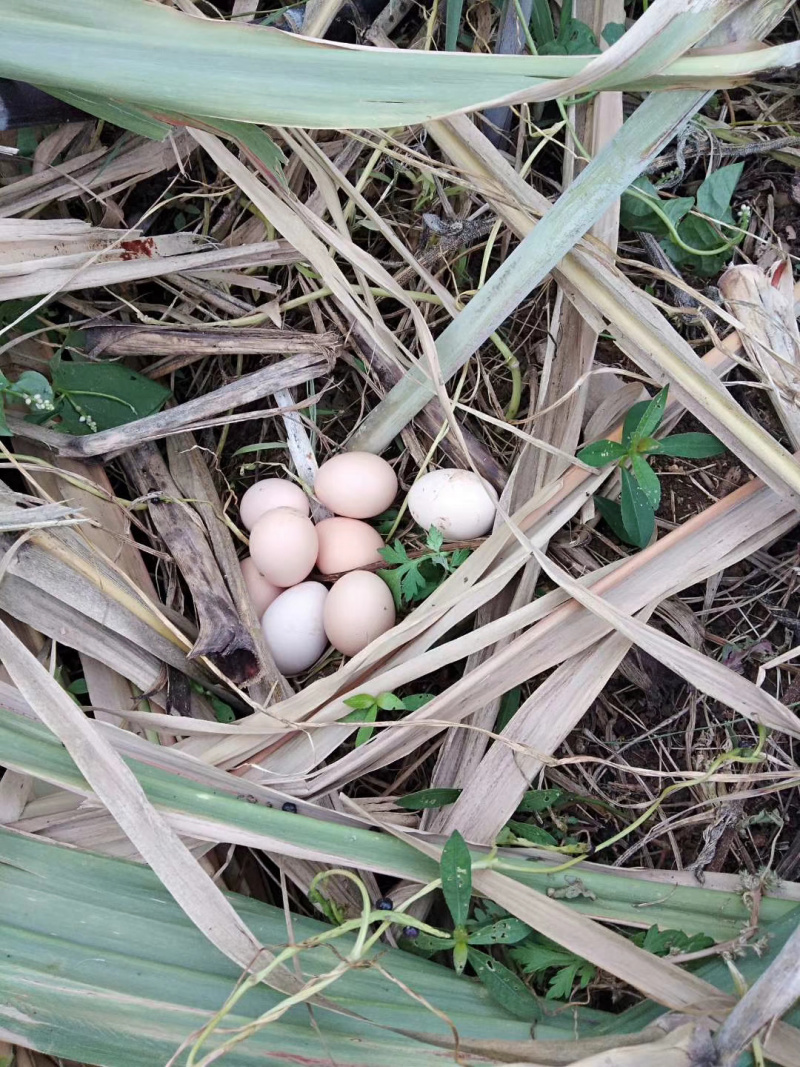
455 871
633 519
688 238
412 580
83 398
367 707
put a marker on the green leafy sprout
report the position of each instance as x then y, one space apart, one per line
366 708
412 580
633 518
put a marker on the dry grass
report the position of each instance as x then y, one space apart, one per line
663 682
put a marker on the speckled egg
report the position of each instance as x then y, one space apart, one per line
358 485
284 546
359 608
271 493
293 627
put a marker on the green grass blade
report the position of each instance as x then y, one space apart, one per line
29 747
452 23
164 61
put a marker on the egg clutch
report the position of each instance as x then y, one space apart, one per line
300 618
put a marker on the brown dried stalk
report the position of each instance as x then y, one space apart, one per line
108 443
184 345
223 638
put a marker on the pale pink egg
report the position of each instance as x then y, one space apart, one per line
345 544
260 590
359 608
356 484
284 546
271 493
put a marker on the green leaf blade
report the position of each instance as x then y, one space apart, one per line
691 446
651 416
455 869
638 517
601 453
505 987
428 798
647 480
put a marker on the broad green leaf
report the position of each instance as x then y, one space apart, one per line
638 517
417 701
455 868
504 986
601 453
705 237
691 445
715 194
389 702
452 23
31 383
540 799
632 420
429 943
103 395
4 430
361 701
651 416
503 932
612 31
612 513
531 832
428 798
647 480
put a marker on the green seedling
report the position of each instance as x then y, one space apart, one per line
366 708
412 580
633 519
455 872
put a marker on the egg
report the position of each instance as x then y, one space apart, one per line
458 503
345 544
293 627
356 484
359 608
284 546
271 493
260 590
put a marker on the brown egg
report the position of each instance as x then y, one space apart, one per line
345 544
284 546
271 493
260 590
356 484
359 608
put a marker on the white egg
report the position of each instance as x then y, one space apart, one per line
293 627
458 503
